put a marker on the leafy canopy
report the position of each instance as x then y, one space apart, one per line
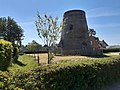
48 29
10 30
34 46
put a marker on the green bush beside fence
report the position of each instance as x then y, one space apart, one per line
79 75
108 50
5 54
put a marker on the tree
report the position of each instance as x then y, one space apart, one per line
11 31
2 27
48 30
33 46
92 32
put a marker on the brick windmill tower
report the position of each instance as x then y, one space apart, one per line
75 38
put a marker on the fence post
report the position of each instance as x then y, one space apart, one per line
38 59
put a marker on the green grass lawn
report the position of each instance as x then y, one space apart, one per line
25 63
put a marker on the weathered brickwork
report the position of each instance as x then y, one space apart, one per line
75 39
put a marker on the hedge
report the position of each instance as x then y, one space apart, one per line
84 75
5 54
4 80
107 50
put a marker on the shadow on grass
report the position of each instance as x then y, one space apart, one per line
5 68
99 56
19 63
92 56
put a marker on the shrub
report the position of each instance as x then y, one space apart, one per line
86 75
5 54
15 54
107 50
4 80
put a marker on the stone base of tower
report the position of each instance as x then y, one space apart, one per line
94 52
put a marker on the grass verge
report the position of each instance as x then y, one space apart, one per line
25 63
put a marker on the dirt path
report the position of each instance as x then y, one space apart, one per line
44 58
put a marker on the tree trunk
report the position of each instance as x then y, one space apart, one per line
48 57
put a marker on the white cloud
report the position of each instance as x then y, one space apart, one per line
102 12
53 14
110 25
27 23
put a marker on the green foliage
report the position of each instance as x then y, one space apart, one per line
15 54
10 30
5 54
5 78
33 46
108 50
25 63
5 82
74 75
48 30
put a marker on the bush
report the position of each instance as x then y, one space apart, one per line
87 75
4 80
15 54
5 54
107 50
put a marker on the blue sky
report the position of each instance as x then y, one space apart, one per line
102 15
